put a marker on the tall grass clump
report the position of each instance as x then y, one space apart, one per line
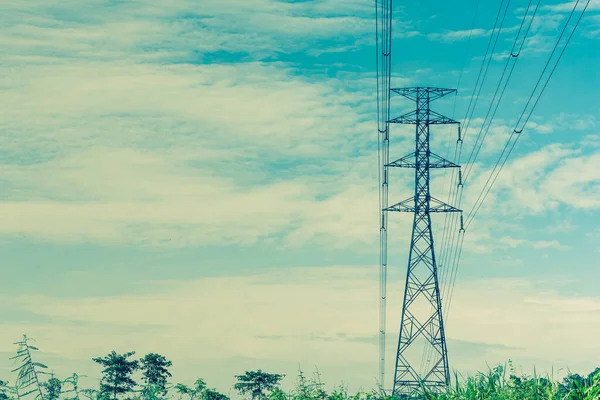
495 385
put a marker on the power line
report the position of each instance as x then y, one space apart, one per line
453 270
449 231
462 68
448 228
383 113
515 130
470 109
513 56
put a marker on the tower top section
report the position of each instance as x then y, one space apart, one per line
414 93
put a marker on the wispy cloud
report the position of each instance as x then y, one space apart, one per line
105 136
452 36
594 5
183 30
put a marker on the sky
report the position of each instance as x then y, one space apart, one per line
198 178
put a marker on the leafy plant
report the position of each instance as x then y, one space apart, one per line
200 391
192 393
52 388
4 390
212 394
116 379
257 383
308 388
155 374
73 381
93 394
27 373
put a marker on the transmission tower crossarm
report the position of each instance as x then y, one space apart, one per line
412 93
435 205
435 161
414 118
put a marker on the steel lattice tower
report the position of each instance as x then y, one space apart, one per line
422 323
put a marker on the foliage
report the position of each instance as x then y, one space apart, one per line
155 374
52 388
73 381
212 394
200 391
495 385
193 393
278 394
94 394
28 380
116 379
4 390
308 388
257 383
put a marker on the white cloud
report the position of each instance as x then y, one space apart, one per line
541 181
182 28
187 154
184 154
594 5
452 36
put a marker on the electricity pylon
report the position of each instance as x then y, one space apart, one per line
422 324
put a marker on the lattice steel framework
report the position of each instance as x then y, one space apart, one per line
422 323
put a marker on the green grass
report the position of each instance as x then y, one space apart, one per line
496 384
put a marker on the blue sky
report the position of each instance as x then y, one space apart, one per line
199 179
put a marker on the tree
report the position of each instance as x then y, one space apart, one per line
116 379
193 393
155 373
256 383
52 388
200 391
212 394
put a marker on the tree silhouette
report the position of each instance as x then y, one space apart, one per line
212 394
116 379
256 383
193 393
52 388
200 391
155 373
